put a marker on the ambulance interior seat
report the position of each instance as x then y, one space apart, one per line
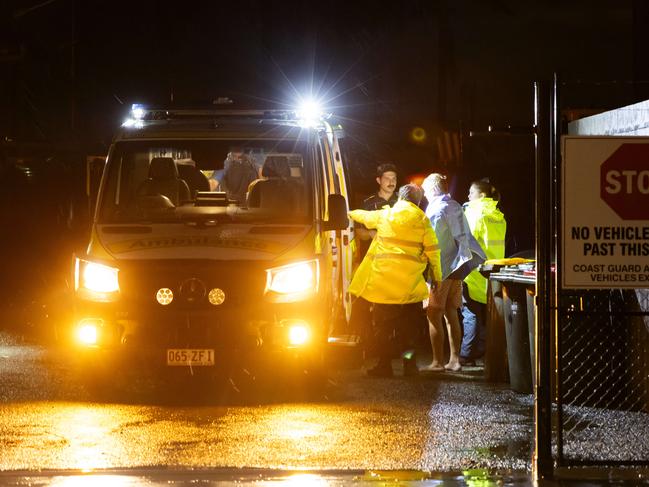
278 190
195 179
163 180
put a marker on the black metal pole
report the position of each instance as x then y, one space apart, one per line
554 371
542 466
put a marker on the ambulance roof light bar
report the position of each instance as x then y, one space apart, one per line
307 115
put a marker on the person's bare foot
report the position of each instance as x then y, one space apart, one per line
453 366
433 367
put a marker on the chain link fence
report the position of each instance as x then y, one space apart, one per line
603 378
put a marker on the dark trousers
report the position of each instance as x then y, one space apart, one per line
361 321
395 326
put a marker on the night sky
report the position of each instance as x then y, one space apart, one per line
70 70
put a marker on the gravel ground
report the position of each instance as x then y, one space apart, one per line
478 425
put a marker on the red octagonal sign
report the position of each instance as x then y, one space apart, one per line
624 181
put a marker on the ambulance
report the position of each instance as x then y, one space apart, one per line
182 274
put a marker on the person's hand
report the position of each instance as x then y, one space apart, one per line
364 233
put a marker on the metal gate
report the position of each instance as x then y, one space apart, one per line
592 371
603 386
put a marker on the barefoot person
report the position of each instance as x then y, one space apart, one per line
460 253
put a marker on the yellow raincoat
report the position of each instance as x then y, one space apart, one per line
392 270
488 226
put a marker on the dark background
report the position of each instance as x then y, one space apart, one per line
69 70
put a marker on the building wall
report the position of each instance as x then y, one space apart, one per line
628 120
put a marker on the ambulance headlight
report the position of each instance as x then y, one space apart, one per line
95 281
293 281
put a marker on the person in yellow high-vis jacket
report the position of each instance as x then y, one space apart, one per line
392 273
488 226
361 318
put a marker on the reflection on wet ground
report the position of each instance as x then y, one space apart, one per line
52 429
357 422
277 478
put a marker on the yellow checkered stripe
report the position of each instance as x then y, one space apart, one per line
406 243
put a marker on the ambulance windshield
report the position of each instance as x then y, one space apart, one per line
241 180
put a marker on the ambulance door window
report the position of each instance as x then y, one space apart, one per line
327 177
335 237
342 168
322 182
347 252
334 184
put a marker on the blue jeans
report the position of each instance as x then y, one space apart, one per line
473 322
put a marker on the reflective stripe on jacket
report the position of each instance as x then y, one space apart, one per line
488 226
392 270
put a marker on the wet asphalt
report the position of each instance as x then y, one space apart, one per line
438 428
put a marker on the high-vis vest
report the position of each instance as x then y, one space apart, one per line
488 226
392 270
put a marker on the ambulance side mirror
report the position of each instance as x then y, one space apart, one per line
337 213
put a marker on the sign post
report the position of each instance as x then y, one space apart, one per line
605 212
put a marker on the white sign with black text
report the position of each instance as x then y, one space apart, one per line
605 212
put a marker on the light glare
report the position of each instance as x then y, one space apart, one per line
293 279
87 334
306 480
418 134
132 123
298 334
138 113
309 112
100 278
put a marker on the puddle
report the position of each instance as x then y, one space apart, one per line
511 449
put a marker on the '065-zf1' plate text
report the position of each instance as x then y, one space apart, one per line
190 357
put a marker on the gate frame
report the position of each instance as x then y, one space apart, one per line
547 149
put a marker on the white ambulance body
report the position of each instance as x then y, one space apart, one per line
180 276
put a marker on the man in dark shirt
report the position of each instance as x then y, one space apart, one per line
386 178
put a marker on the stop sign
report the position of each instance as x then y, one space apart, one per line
624 181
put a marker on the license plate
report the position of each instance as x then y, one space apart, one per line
194 357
